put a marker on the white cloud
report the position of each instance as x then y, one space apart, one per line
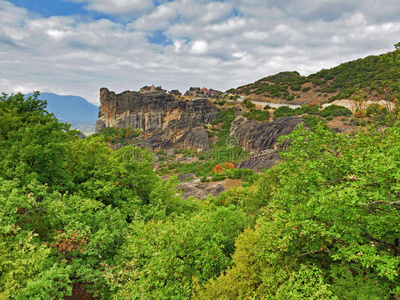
199 47
119 7
215 44
215 11
232 24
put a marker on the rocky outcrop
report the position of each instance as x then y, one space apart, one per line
255 137
200 190
260 161
164 121
261 139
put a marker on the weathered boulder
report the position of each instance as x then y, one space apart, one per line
185 177
200 191
190 190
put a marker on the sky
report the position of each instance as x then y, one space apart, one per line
76 47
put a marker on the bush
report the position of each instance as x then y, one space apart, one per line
258 115
306 89
335 111
313 122
248 104
218 177
204 179
284 111
211 134
296 87
290 98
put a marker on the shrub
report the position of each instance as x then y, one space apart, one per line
218 177
211 134
335 111
258 115
296 87
313 122
248 104
204 179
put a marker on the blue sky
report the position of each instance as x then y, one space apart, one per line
78 46
47 8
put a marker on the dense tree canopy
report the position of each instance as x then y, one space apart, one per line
78 219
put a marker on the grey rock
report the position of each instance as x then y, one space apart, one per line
259 162
165 122
185 177
255 137
216 190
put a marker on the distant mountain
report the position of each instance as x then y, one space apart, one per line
71 109
77 111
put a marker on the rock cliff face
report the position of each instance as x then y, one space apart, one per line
262 140
255 137
165 122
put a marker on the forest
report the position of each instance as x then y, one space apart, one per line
79 221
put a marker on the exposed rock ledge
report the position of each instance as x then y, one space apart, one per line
262 140
165 122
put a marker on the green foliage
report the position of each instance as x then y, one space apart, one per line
290 98
32 141
114 135
76 217
379 115
248 104
164 259
346 201
313 122
335 111
218 177
224 116
211 134
295 87
275 86
329 227
377 75
258 115
329 111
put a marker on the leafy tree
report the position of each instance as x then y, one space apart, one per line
165 259
329 223
32 141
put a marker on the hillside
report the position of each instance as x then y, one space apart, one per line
377 76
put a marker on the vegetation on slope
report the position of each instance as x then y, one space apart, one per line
280 85
377 75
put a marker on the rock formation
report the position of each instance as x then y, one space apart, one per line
164 121
168 123
261 139
254 136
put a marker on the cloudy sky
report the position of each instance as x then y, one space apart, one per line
75 47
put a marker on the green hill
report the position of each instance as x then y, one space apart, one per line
377 75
